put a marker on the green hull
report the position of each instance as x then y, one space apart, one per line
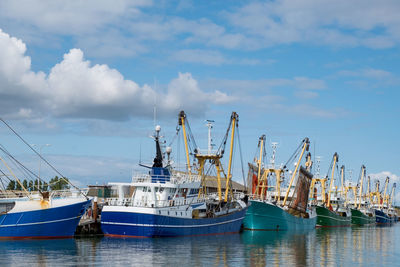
328 218
266 216
360 218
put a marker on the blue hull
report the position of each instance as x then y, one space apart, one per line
382 218
151 225
46 223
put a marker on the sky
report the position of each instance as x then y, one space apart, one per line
92 78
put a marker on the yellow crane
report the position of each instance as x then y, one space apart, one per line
335 160
305 146
214 158
264 173
384 192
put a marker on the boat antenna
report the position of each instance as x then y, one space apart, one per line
274 145
155 103
210 144
318 169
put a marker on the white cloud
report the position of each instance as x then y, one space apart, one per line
74 88
337 23
98 26
70 17
367 73
381 177
184 93
206 57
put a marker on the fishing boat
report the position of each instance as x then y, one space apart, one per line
40 214
330 208
166 202
53 217
361 211
380 205
271 210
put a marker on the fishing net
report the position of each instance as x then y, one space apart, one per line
300 195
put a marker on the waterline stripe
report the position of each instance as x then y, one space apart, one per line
171 226
25 224
335 218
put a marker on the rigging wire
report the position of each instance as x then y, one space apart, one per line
40 156
294 155
241 160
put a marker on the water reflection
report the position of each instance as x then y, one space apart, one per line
360 246
276 248
37 252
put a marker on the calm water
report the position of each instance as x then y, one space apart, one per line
360 246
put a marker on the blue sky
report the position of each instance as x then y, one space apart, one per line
84 77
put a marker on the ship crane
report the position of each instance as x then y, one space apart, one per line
384 192
214 158
322 181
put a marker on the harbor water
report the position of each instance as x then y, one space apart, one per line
355 246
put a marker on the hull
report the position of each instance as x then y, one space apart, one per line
54 222
266 216
382 217
131 224
360 218
328 218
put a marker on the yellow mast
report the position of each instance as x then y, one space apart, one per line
182 117
261 143
368 190
305 145
234 118
384 191
361 186
335 159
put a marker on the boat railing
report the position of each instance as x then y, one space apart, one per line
68 193
12 194
175 178
129 202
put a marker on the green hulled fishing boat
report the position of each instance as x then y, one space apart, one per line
361 211
331 209
330 218
359 217
271 210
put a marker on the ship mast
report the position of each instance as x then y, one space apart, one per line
306 143
384 191
361 186
335 160
210 144
182 120
234 120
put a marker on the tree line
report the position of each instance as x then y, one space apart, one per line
55 183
